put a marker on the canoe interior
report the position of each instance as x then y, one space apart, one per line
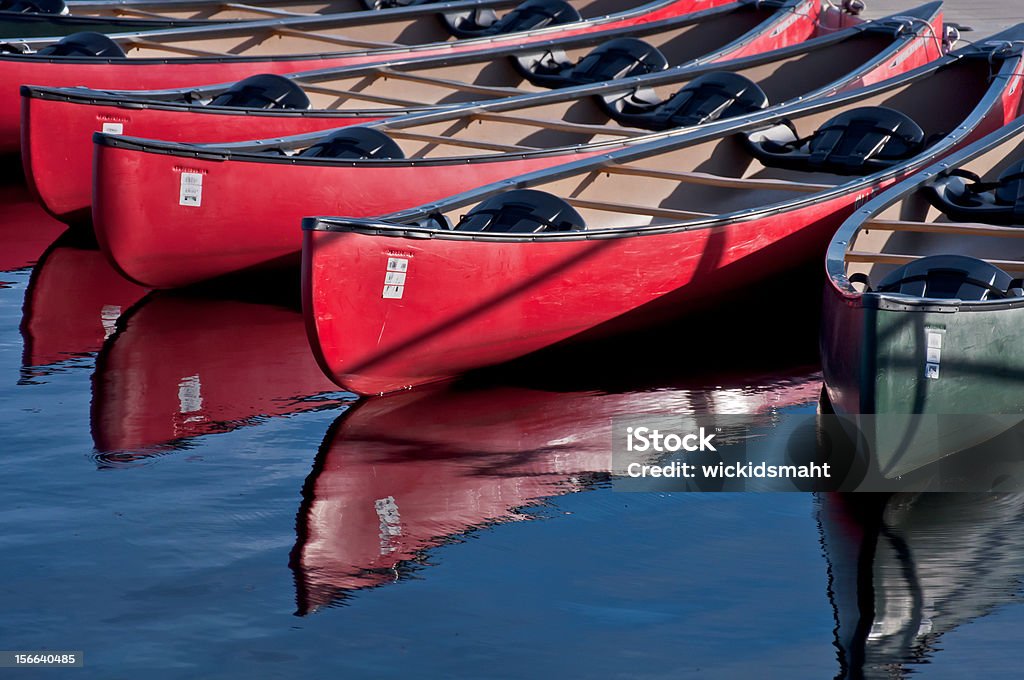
223 11
913 228
720 176
284 40
585 121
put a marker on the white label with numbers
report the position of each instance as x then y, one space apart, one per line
191 189
394 278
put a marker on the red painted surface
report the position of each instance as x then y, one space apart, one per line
469 304
251 212
25 229
186 244
157 74
73 301
56 137
398 475
185 366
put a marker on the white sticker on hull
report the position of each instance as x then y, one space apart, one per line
394 278
933 352
113 128
191 193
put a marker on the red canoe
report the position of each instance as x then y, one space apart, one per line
230 53
632 239
399 475
181 366
57 143
138 182
72 304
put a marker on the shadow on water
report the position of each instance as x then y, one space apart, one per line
905 569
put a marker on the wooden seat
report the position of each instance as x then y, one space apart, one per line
634 209
898 259
717 180
966 228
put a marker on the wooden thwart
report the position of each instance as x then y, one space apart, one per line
261 10
631 208
362 96
171 47
864 257
968 228
455 141
717 180
562 125
448 84
340 40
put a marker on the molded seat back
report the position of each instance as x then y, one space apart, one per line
856 142
84 44
355 143
620 58
705 99
951 277
522 211
263 91
1000 202
529 16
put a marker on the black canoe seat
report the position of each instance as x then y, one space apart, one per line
856 142
620 58
705 99
522 211
354 143
964 197
263 91
529 16
84 44
35 6
952 277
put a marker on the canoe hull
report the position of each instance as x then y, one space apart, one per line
58 167
160 74
920 385
56 142
185 244
459 311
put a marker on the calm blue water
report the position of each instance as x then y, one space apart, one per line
182 496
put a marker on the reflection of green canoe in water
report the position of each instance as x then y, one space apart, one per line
905 569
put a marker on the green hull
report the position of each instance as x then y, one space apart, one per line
923 380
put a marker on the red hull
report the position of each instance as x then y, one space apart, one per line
196 243
73 300
467 304
397 476
186 244
188 366
160 74
57 135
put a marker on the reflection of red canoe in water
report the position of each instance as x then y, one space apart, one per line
188 365
398 475
73 300
25 228
907 568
